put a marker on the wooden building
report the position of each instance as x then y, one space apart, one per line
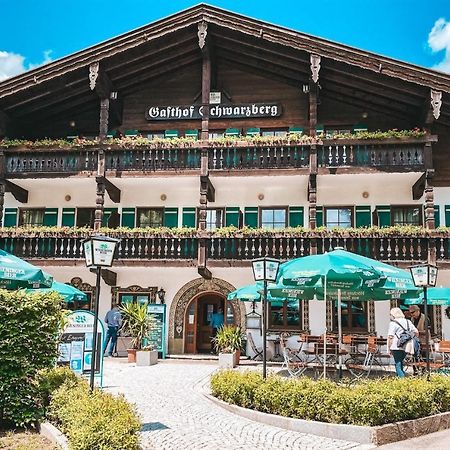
230 138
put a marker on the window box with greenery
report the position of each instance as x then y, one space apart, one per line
228 343
138 325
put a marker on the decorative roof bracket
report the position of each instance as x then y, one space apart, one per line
436 102
315 67
202 32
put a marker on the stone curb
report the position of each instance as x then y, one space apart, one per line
53 434
379 435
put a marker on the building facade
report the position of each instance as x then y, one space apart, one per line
207 139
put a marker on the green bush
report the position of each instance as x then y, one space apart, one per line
371 402
29 329
94 421
49 380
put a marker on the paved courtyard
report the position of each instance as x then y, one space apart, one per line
176 415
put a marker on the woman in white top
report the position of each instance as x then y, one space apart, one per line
395 330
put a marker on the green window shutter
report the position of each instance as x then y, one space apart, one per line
319 216
171 217
447 215
251 216
10 217
68 217
437 218
50 217
384 216
188 217
232 216
296 216
363 217
106 213
128 217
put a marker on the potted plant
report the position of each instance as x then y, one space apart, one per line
138 324
228 343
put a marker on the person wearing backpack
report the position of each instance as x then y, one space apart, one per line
400 332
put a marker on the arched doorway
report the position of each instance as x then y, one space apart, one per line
190 308
198 321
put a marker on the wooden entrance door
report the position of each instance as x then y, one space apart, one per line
191 328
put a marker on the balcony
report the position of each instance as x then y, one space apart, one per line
237 246
143 156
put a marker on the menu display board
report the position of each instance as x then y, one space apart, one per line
158 333
75 348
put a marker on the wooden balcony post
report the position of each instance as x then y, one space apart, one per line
100 200
429 216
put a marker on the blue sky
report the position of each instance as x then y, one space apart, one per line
38 31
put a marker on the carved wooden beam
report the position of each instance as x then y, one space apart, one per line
431 108
113 191
419 187
313 94
109 277
201 264
19 193
436 103
429 203
207 188
99 81
315 67
4 122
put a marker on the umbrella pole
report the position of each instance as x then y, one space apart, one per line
339 331
264 325
325 334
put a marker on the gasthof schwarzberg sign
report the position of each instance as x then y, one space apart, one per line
221 111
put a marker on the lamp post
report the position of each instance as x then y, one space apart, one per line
161 293
425 275
99 252
265 269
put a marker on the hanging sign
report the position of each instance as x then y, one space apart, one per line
75 348
222 111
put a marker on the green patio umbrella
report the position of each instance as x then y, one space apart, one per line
340 269
437 296
252 293
66 291
15 273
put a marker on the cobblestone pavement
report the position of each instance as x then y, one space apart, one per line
175 414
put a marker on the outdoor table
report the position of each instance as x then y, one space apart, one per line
276 344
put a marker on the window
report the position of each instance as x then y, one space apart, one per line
286 315
339 217
150 217
274 133
407 215
85 217
331 132
214 219
273 218
155 135
31 217
128 297
215 134
354 317
87 306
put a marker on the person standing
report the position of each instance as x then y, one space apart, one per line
420 321
217 321
113 320
397 326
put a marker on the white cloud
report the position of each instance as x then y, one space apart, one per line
12 64
439 40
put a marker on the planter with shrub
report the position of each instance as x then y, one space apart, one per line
368 403
137 324
228 343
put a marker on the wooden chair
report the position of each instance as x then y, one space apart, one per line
294 368
258 352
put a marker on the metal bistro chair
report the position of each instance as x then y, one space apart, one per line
258 352
294 368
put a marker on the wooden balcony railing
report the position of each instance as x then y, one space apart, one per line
146 247
400 154
372 154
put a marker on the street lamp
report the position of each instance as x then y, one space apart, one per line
425 275
265 269
99 252
161 295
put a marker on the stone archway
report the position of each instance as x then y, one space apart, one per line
182 299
